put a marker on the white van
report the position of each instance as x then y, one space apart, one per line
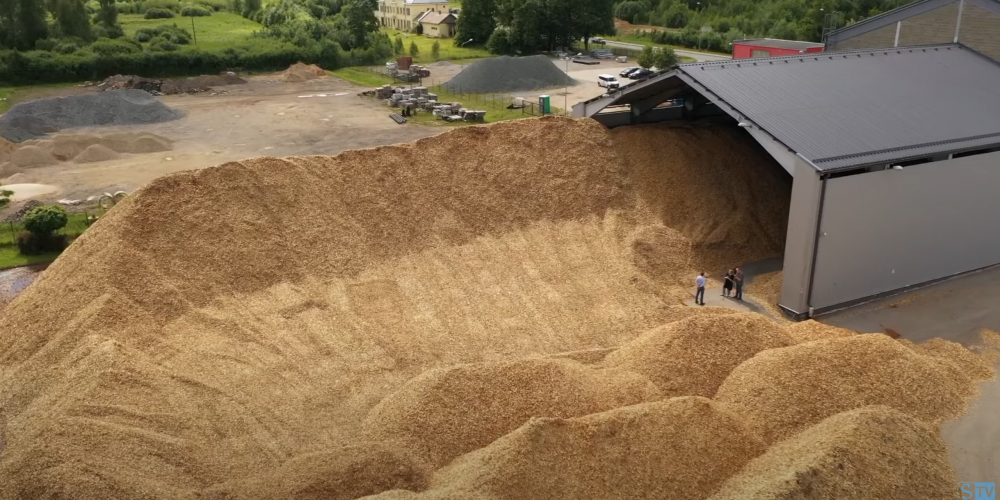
607 81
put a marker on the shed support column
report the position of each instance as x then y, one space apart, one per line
800 242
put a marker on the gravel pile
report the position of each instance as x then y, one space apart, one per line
34 119
23 209
509 74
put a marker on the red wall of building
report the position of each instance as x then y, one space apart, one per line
745 51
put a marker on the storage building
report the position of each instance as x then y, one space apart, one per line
770 47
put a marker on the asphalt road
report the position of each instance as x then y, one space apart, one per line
698 56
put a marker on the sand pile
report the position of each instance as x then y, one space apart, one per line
32 157
509 74
678 448
36 118
872 452
445 413
782 391
96 153
299 72
6 148
692 357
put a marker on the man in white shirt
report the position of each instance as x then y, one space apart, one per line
699 295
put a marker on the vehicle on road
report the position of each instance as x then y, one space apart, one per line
606 81
625 72
598 40
640 73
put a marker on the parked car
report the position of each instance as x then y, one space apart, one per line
624 73
640 73
607 81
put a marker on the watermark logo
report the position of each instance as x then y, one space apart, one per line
977 491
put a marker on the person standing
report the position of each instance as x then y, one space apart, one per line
699 294
738 278
727 286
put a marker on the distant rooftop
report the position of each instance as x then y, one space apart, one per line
426 1
779 44
438 18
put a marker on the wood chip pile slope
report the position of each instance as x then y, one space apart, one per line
260 329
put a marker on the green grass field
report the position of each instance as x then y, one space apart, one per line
9 96
10 257
359 76
646 41
449 52
218 31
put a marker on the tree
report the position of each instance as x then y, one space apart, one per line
71 17
414 50
436 50
107 16
647 59
22 22
499 42
593 17
664 58
477 22
398 46
43 221
250 8
361 20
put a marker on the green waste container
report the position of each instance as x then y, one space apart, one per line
545 104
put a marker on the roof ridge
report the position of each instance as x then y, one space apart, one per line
822 55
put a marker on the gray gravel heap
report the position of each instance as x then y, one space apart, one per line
509 74
34 119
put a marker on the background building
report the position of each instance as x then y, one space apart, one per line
438 24
402 14
768 47
973 23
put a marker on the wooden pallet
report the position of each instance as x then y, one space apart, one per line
397 118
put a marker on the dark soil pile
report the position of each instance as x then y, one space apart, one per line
33 119
509 74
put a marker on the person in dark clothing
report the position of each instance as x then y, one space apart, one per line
727 285
738 278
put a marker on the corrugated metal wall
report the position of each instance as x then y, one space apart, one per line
887 230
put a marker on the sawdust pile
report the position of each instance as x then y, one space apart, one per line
299 72
810 330
445 413
872 452
782 391
254 345
96 153
692 357
679 448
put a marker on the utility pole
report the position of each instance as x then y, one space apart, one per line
193 32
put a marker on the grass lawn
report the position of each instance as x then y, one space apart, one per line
646 41
495 106
218 31
359 76
449 52
10 257
9 96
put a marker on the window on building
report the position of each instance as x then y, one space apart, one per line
760 53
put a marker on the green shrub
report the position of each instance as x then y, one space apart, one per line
195 11
215 5
45 220
66 48
106 47
158 14
171 5
143 36
163 45
126 7
34 244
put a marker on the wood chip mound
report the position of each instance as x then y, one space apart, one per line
782 391
679 448
870 452
976 366
448 412
810 330
693 356
340 474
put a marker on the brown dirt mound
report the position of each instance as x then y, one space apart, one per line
679 448
198 83
341 474
6 148
693 356
872 452
31 157
810 330
150 144
96 153
782 391
299 72
445 413
67 147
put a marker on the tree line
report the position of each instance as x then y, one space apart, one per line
526 26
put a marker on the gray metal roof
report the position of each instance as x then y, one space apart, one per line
847 109
779 44
898 14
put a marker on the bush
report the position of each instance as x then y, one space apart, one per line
414 50
195 11
171 5
158 14
107 47
143 36
113 32
45 220
126 7
162 45
66 48
436 50
33 244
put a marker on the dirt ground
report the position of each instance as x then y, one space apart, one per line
264 117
